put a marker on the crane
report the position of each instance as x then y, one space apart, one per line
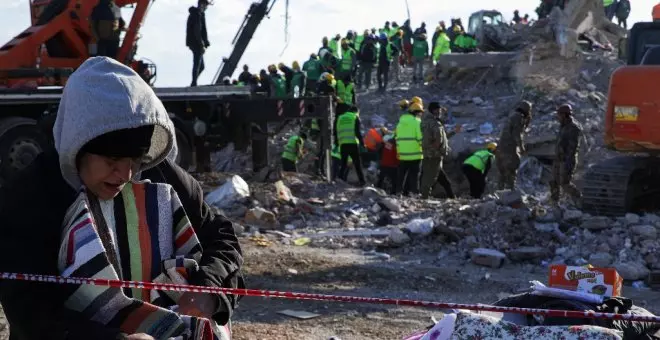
256 13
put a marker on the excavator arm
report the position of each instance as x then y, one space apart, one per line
257 12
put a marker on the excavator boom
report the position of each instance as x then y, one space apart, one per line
256 13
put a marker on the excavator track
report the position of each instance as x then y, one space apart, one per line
618 185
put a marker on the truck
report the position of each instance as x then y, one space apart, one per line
35 65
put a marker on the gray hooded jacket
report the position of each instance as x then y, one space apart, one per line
104 96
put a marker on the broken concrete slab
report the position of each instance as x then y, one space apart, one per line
487 257
475 60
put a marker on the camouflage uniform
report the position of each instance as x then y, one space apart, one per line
511 144
435 146
566 156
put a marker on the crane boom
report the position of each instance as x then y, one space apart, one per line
256 13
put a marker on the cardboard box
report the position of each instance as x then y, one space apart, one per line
587 279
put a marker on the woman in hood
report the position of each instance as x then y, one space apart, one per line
111 129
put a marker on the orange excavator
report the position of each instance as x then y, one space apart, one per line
60 39
630 183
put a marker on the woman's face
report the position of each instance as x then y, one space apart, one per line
105 176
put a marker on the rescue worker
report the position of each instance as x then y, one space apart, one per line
313 70
328 61
435 146
442 45
384 61
407 42
288 75
622 13
361 39
465 43
346 90
294 150
324 46
197 38
511 144
265 83
348 136
566 155
389 165
245 76
404 104
408 137
277 82
334 46
516 17
420 54
326 85
106 26
348 60
421 29
373 142
476 167
395 44
610 8
368 56
298 81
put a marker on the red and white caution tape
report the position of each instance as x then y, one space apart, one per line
323 297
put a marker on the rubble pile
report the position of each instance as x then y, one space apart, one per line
504 227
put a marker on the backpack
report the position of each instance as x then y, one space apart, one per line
623 9
368 52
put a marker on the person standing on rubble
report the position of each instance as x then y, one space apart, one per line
566 155
197 38
610 8
512 144
420 54
406 53
368 56
277 82
395 46
408 135
348 60
622 13
294 150
298 81
313 70
476 167
346 90
442 45
245 76
349 137
384 61
106 26
435 145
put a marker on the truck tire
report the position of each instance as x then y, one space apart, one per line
184 156
19 146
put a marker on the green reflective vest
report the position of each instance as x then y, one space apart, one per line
334 47
345 92
347 60
464 41
441 46
358 41
346 129
335 152
315 125
280 86
292 149
479 160
607 2
408 136
313 69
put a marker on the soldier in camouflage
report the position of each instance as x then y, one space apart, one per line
566 155
511 144
435 146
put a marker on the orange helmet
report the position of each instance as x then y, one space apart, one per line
656 12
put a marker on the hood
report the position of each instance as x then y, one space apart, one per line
101 96
193 10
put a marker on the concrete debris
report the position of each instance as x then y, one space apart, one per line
233 190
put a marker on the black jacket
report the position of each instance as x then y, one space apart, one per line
196 35
32 211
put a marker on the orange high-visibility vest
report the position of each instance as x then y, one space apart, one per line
373 139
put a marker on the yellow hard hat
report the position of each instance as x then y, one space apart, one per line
344 41
330 77
280 66
404 103
417 100
295 65
272 67
491 146
416 107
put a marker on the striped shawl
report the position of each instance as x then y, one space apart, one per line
143 234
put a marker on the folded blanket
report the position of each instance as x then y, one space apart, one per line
143 234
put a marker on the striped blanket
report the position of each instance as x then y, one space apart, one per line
143 234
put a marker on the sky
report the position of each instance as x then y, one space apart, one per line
163 33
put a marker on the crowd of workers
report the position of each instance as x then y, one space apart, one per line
619 9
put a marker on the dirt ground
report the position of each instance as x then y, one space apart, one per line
349 272
421 276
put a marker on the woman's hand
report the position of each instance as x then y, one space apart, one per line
197 304
140 336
